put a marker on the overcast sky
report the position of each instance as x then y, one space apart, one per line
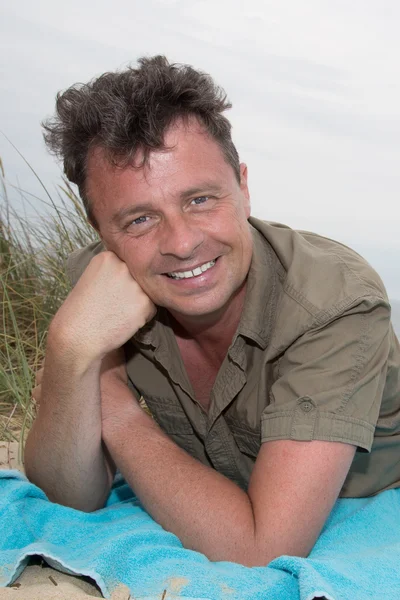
315 89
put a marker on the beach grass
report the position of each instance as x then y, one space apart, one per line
33 284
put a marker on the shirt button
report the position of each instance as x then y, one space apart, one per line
306 406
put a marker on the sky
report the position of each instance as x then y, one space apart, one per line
314 85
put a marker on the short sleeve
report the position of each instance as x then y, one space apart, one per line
331 380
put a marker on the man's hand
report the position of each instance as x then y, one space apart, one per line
104 310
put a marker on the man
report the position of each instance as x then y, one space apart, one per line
265 355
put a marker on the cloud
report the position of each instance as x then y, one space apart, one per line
314 85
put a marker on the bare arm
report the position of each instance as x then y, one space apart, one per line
292 490
64 453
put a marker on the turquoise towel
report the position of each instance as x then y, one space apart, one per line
357 556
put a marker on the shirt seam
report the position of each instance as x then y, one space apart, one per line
360 359
363 441
334 417
363 282
321 317
354 440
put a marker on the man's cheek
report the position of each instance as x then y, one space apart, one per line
140 277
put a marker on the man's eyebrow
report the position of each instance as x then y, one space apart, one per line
120 215
204 188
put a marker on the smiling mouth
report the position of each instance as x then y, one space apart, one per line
195 273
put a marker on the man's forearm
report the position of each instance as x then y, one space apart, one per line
63 453
207 511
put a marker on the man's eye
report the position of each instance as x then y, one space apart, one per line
200 199
139 220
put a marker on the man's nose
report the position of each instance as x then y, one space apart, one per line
181 237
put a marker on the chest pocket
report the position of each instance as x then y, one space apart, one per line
172 419
248 440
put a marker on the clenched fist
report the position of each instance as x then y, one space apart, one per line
104 310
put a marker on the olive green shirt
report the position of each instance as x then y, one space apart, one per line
314 357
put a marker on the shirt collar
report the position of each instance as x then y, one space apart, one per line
261 298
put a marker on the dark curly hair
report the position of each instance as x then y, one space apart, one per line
131 110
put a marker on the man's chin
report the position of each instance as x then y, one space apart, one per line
196 308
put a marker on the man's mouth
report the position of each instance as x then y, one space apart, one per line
188 274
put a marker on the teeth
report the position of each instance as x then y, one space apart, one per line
194 273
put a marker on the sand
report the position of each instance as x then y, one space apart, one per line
45 583
39 581
9 458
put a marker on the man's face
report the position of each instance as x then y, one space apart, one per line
179 224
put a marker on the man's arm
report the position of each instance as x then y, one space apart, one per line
64 453
295 482
293 488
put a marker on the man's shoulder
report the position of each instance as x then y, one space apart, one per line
79 259
322 276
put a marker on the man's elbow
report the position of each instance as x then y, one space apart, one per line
255 554
262 559
82 502
83 505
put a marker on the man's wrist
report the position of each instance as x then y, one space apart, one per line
63 345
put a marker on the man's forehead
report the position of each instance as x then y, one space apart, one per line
190 156
179 133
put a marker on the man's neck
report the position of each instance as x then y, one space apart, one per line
212 333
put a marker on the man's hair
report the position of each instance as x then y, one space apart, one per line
129 111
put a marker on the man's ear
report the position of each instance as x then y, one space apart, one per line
245 189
